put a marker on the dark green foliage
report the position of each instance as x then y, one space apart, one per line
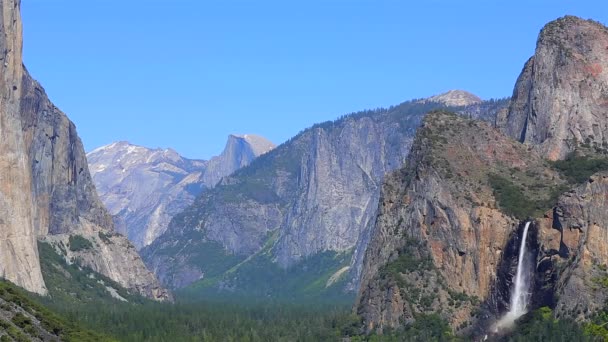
82 299
105 238
55 325
408 260
234 318
511 198
21 320
210 256
578 169
217 321
598 327
426 328
262 278
213 258
514 201
244 321
539 325
405 263
79 243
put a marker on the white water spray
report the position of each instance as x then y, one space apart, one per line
520 292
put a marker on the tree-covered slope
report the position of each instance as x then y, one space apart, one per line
25 319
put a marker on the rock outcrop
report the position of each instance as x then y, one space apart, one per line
456 98
240 151
560 101
439 236
144 188
574 249
47 190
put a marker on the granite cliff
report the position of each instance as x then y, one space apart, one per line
47 191
240 151
313 195
439 237
18 253
449 227
560 99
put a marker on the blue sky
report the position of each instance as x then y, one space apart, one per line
186 73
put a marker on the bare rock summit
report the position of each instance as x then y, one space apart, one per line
455 98
560 100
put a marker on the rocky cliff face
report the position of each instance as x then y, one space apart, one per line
316 193
240 150
65 199
560 100
48 192
574 250
18 253
144 188
308 195
439 236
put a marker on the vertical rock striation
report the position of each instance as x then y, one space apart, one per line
560 101
574 249
240 151
312 194
46 189
18 251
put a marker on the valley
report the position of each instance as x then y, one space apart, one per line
443 218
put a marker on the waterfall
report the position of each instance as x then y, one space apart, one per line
520 292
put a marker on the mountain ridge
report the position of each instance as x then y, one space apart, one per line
143 187
313 194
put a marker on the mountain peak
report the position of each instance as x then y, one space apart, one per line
565 23
559 103
455 98
124 147
111 146
259 145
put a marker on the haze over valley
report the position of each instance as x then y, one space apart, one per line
451 216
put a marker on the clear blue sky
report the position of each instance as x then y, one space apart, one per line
186 73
